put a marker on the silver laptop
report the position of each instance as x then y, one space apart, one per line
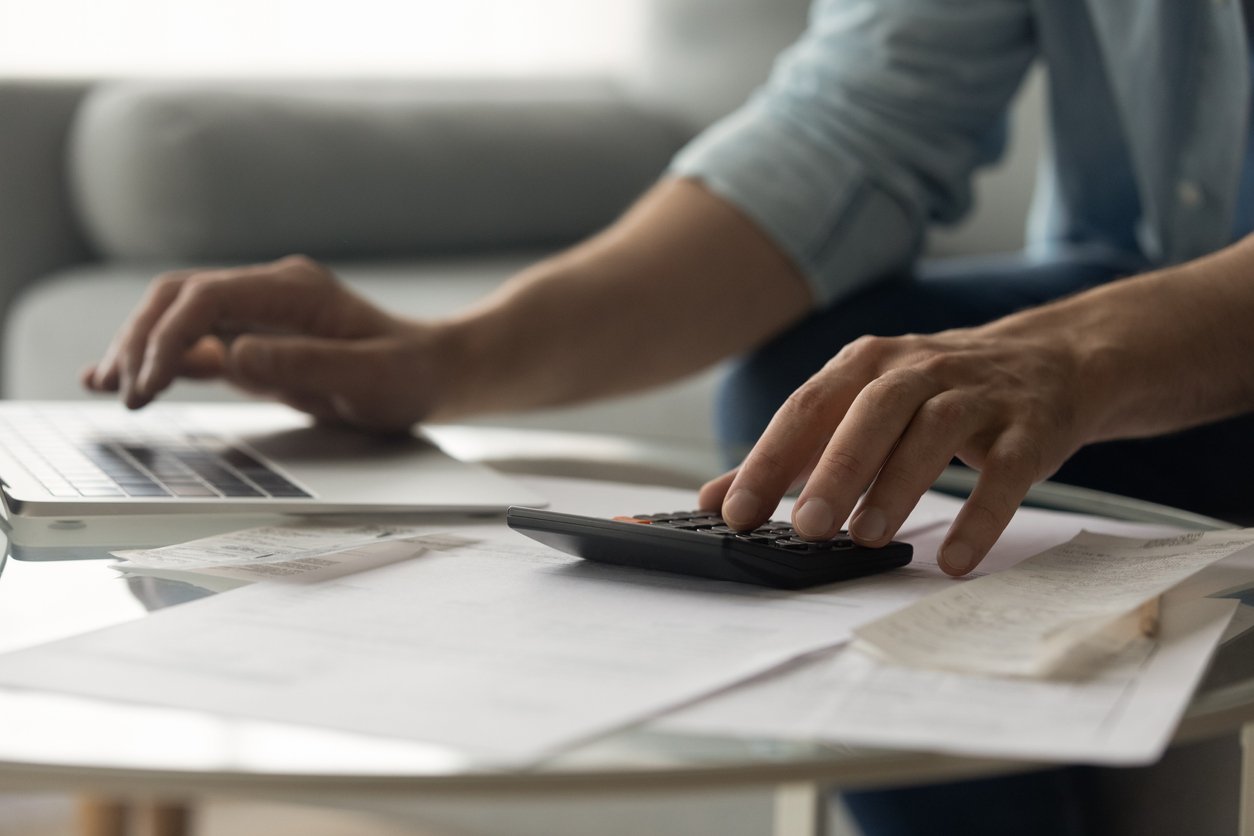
64 465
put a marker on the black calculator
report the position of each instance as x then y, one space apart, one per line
700 543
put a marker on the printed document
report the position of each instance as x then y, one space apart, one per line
485 643
1123 714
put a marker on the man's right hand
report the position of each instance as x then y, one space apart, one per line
288 330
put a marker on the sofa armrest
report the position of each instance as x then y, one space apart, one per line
39 232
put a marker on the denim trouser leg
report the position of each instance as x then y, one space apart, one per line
1051 802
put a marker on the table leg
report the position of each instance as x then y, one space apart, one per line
112 817
167 819
1247 780
801 810
102 816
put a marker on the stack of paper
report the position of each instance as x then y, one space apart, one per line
480 640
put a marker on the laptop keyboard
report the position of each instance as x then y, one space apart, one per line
74 460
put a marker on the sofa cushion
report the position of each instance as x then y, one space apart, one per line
182 171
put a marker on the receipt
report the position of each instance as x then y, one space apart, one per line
1029 619
310 550
267 544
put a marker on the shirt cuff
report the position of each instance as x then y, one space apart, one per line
817 203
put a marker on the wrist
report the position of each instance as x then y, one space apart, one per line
1081 338
444 367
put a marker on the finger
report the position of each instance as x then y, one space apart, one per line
288 295
1010 469
335 380
116 368
796 433
87 379
710 497
293 363
936 432
205 360
874 425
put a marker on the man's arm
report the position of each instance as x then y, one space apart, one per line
1014 399
680 281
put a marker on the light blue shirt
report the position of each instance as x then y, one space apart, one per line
871 126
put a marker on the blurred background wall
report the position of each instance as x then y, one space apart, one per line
699 57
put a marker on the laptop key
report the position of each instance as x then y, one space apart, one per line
191 490
95 490
239 490
288 492
150 489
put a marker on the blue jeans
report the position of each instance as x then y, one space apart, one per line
1204 470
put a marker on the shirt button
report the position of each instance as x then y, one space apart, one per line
1189 194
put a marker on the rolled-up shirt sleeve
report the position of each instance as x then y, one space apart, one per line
869 128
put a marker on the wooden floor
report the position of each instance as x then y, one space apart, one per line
50 815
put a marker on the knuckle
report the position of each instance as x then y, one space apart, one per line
890 387
202 286
1023 458
944 412
169 279
765 463
893 390
302 265
809 402
842 464
940 366
865 349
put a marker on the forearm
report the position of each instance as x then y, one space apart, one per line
1162 351
681 281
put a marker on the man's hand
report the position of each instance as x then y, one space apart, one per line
553 334
289 330
885 417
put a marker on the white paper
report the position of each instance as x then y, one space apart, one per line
502 648
1026 620
1123 715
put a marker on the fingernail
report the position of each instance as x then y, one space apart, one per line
958 558
741 508
813 519
870 524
